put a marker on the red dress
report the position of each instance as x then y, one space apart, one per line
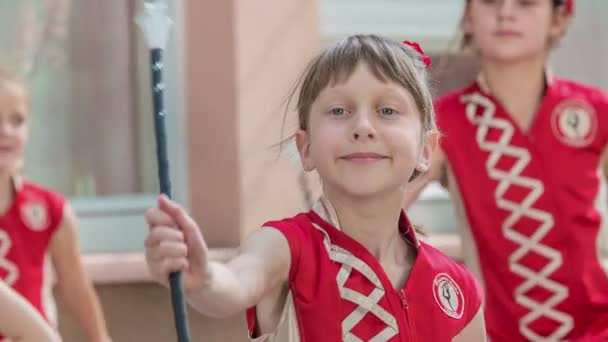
340 292
26 230
533 209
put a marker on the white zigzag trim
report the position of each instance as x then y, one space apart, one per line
11 269
527 244
365 304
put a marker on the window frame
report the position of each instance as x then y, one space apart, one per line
115 224
396 19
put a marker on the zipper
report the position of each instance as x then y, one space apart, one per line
405 307
403 300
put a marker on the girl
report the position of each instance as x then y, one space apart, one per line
352 268
20 321
523 156
36 223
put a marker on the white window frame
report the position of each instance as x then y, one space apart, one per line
115 224
396 19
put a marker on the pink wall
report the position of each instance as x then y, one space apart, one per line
242 59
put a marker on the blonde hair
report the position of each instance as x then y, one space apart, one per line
10 78
387 59
6 75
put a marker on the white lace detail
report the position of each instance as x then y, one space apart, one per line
12 271
481 112
365 304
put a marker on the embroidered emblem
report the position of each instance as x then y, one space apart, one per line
574 123
448 296
35 216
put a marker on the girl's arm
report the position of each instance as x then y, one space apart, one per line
20 322
215 289
475 331
75 289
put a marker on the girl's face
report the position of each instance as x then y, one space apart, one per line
13 126
513 30
364 136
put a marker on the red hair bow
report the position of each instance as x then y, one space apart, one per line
569 6
425 59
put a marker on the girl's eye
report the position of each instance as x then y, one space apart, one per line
388 111
17 119
527 2
338 111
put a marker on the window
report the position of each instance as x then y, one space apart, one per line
92 130
433 23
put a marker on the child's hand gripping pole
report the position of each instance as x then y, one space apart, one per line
155 25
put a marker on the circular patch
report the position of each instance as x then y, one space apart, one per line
574 123
448 296
35 216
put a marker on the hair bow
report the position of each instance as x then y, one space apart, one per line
569 5
425 59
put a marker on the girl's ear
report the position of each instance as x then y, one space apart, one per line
430 141
559 24
303 144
